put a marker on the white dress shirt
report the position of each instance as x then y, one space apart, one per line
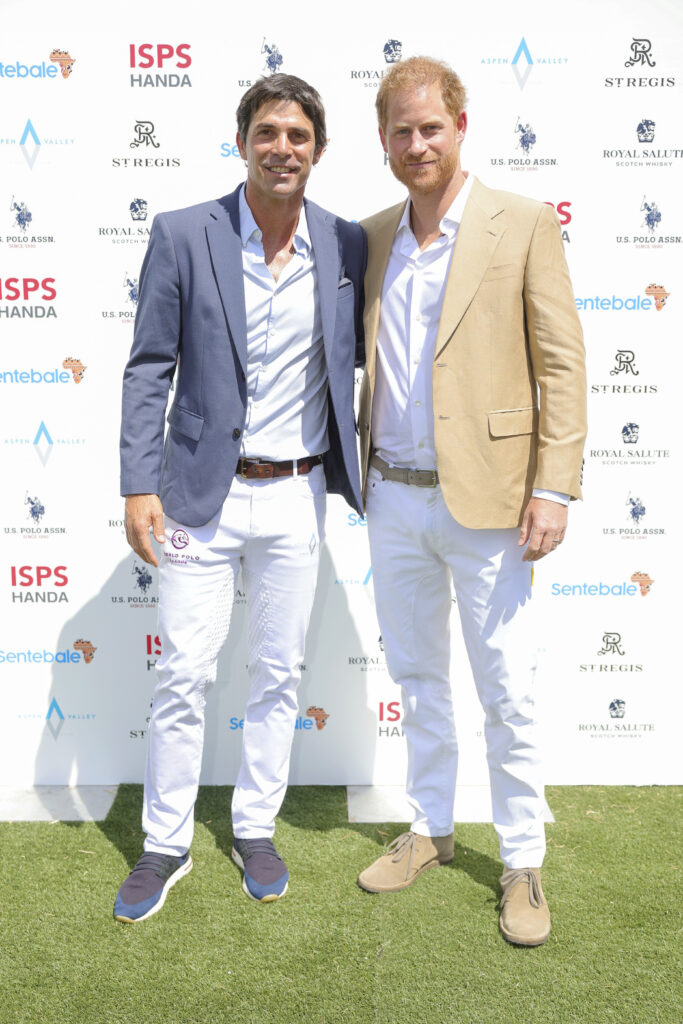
412 298
286 371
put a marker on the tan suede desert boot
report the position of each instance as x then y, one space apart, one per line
524 914
406 858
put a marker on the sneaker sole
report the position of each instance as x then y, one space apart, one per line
183 870
404 885
264 899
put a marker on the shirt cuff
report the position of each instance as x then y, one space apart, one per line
561 499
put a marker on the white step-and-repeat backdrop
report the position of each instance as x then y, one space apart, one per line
108 116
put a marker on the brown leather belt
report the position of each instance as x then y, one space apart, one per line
259 469
417 477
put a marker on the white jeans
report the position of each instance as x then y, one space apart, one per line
415 546
272 530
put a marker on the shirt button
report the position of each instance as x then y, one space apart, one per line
420 445
236 433
418 403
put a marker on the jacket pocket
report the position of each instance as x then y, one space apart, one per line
509 422
502 270
186 422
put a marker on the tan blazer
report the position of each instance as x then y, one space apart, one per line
508 374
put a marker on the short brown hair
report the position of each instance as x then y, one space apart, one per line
418 71
287 88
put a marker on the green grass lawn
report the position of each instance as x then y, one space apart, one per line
330 952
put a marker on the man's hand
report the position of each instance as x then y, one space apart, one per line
143 511
544 526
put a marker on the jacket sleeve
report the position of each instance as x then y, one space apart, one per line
151 366
557 358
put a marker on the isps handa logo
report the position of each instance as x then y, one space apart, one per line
27 297
564 216
166 60
39 584
389 715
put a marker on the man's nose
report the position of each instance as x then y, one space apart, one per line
282 143
417 142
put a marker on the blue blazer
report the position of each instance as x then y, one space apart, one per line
191 314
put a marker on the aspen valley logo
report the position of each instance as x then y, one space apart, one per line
158 65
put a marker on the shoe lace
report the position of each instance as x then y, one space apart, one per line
264 845
401 845
161 864
535 898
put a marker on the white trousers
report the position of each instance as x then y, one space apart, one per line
416 546
272 530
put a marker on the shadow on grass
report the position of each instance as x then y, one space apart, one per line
481 868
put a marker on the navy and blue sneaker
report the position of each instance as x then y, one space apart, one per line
144 891
265 872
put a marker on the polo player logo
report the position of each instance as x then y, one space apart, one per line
274 57
652 215
36 510
527 138
636 509
144 578
22 215
131 287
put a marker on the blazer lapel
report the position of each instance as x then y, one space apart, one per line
225 245
478 236
328 269
380 241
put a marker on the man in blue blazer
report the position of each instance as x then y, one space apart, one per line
253 304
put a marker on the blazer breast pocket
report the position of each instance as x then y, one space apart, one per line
502 270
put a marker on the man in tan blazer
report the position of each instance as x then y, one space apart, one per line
472 424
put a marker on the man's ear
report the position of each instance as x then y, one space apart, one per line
382 139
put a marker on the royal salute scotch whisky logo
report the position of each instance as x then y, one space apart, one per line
165 60
131 230
614 725
641 64
633 453
372 76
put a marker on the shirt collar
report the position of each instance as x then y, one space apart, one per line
450 221
251 232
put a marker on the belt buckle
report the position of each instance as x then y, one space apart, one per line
435 478
246 466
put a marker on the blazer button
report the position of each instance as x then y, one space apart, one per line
236 433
